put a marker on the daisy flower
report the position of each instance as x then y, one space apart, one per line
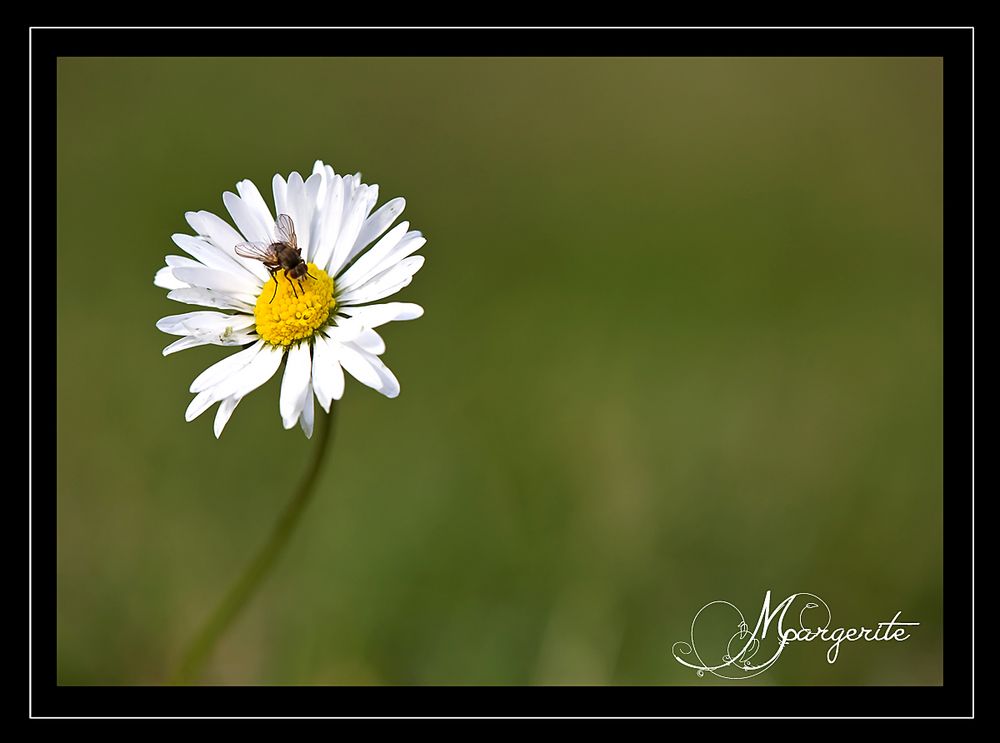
321 320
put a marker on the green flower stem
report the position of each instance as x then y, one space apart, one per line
241 592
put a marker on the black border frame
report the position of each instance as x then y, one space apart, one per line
953 699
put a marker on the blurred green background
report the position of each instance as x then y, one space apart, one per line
682 342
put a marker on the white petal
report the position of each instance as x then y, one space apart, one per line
300 205
294 201
209 254
357 211
241 382
182 261
371 197
327 375
208 298
346 329
388 384
332 213
377 223
382 264
308 414
198 323
294 188
222 234
165 279
190 341
383 284
412 242
280 189
351 184
246 219
358 364
224 368
384 290
216 229
308 217
324 184
201 402
368 265
252 198
240 338
220 281
370 341
224 413
295 384
203 328
375 315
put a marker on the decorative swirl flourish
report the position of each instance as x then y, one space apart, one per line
737 662
742 646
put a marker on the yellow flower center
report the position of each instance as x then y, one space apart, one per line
298 308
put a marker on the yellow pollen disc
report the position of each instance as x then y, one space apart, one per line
296 313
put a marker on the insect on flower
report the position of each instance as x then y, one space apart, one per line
282 253
322 321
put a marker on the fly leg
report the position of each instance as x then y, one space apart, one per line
273 272
294 293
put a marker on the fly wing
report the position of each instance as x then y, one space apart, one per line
284 230
260 251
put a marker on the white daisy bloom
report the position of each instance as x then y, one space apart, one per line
323 322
